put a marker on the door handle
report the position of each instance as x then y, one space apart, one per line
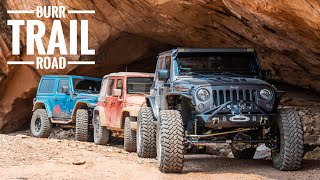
55 98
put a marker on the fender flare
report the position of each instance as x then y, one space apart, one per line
43 105
103 117
78 105
150 100
130 111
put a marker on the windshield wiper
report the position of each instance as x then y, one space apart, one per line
85 90
138 93
193 73
187 71
228 73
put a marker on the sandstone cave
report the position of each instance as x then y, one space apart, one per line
285 34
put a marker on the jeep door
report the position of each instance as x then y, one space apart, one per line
63 103
45 93
115 104
107 103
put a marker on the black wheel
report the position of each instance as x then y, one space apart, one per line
101 134
146 134
82 125
40 124
247 153
130 141
289 135
170 138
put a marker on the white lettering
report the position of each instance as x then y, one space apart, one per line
37 37
73 37
15 35
57 32
47 63
84 39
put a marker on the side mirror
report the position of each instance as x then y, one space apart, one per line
266 74
163 74
116 92
65 89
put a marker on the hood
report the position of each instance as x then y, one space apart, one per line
90 99
88 96
219 81
135 100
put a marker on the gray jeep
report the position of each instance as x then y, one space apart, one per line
205 96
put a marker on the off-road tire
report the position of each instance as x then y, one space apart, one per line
170 142
130 140
289 155
82 125
247 153
101 134
40 115
146 134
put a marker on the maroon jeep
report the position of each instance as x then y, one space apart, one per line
121 97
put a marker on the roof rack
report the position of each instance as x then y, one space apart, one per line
214 50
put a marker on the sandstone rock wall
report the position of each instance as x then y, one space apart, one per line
285 33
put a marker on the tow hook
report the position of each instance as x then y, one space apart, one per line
263 120
215 121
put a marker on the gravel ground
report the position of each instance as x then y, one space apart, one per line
25 157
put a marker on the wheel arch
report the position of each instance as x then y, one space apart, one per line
43 105
132 111
124 114
172 100
150 100
98 110
78 105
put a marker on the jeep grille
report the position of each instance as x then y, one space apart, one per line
223 96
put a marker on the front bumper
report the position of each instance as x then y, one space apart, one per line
239 117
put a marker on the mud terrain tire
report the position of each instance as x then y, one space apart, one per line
170 138
146 134
289 129
247 153
40 124
101 134
130 140
82 125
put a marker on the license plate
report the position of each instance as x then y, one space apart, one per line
239 118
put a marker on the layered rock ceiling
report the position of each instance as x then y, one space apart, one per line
130 33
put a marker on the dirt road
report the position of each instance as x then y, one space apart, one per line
24 157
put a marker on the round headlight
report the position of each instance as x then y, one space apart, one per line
266 94
203 95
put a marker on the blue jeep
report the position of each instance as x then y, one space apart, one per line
66 101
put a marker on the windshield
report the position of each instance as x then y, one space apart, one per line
137 85
216 63
86 85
